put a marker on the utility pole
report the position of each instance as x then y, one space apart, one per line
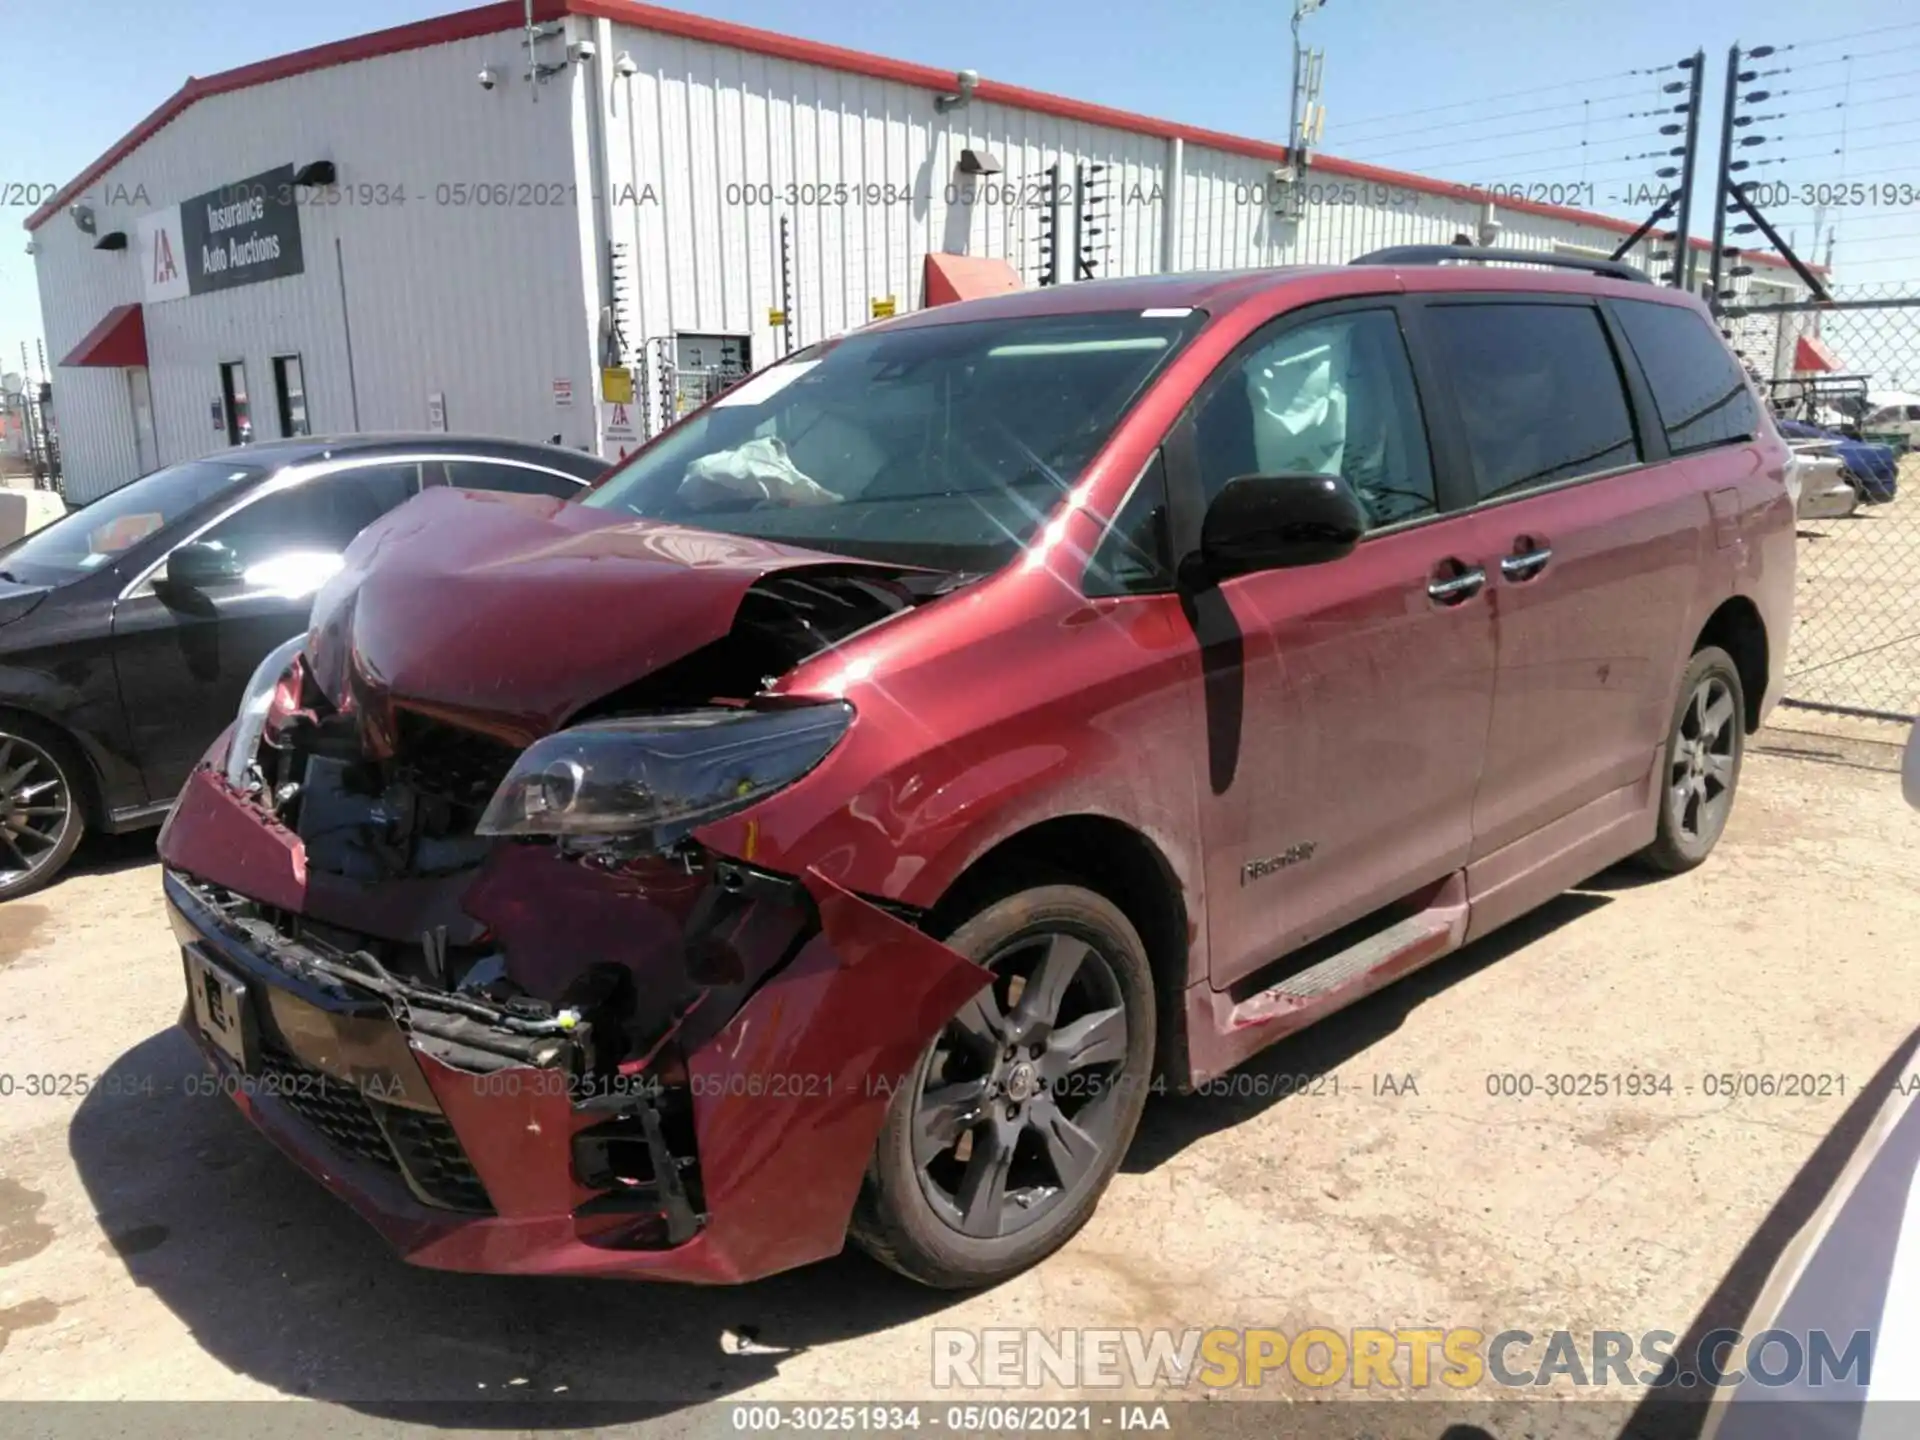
1724 178
1287 179
1301 9
1678 203
1683 265
1730 194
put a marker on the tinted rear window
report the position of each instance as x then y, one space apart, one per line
1702 394
1539 390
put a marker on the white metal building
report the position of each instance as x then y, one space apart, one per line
464 224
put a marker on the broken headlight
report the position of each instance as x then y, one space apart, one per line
255 701
653 779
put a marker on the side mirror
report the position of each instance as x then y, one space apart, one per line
1277 522
201 565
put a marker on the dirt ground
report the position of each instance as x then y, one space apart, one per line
152 1246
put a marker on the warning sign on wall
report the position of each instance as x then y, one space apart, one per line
620 424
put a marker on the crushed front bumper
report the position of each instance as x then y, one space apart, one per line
481 1170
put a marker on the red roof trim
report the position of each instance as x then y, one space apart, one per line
119 339
442 30
493 19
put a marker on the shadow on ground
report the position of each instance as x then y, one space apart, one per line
1312 1058
1668 1413
282 1283
102 854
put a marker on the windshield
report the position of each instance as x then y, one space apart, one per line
100 533
944 445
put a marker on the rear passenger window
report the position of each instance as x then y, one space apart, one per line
1539 390
1328 397
1699 389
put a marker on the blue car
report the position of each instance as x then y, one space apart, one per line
1872 468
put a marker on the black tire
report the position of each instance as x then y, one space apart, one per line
1699 777
25 864
904 1217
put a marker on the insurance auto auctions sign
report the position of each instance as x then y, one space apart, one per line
237 235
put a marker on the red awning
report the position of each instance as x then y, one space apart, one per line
1810 353
965 277
119 339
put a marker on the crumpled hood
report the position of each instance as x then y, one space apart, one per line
507 613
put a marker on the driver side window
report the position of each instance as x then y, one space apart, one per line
1329 397
319 517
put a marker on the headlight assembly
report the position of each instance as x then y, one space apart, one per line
255 702
652 779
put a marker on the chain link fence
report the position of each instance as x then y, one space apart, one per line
1851 369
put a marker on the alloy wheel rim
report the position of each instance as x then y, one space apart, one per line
35 809
1017 1104
1700 768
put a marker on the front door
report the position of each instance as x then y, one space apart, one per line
183 658
140 396
1346 703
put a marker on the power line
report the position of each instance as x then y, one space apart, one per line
1501 116
1839 60
1855 80
1596 169
1623 137
1506 95
1851 130
1851 35
1845 239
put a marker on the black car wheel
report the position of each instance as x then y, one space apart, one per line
40 816
999 1145
1701 772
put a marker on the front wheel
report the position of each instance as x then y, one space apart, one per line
40 817
999 1145
1701 769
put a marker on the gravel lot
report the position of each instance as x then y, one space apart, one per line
152 1246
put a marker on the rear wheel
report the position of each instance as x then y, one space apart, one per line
41 820
998 1146
1701 772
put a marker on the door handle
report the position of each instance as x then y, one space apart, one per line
1455 588
1526 564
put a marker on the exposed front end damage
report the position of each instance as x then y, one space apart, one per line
624 1056
705 1118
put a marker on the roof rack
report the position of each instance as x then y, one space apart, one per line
1439 254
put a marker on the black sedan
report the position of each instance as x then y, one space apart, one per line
129 628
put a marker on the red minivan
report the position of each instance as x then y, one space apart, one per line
836 822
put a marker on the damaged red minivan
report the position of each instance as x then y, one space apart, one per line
840 819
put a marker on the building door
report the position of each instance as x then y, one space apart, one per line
290 393
233 389
140 393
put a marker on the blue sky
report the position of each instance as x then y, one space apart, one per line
1493 91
